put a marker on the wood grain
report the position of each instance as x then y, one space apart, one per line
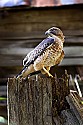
30 102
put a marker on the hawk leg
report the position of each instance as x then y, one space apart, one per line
47 72
47 68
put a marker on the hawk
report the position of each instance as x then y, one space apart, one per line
47 54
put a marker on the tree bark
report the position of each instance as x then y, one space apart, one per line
37 100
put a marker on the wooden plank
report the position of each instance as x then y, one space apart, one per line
12 61
70 51
14 56
65 62
3 93
70 117
38 20
75 104
72 61
26 18
70 34
32 42
73 51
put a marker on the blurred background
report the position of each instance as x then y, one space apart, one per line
37 3
22 27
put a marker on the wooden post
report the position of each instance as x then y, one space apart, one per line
37 100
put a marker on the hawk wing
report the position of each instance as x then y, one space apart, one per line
32 56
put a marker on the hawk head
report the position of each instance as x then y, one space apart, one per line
54 31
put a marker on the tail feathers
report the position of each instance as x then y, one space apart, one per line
20 74
26 71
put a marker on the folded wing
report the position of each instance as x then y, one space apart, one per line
32 56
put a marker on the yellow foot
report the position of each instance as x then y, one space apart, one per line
47 72
50 75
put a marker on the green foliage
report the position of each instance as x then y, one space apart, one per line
3 98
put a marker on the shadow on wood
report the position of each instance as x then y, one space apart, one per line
37 100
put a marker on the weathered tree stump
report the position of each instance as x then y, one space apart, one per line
37 100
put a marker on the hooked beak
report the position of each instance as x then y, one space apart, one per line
47 32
